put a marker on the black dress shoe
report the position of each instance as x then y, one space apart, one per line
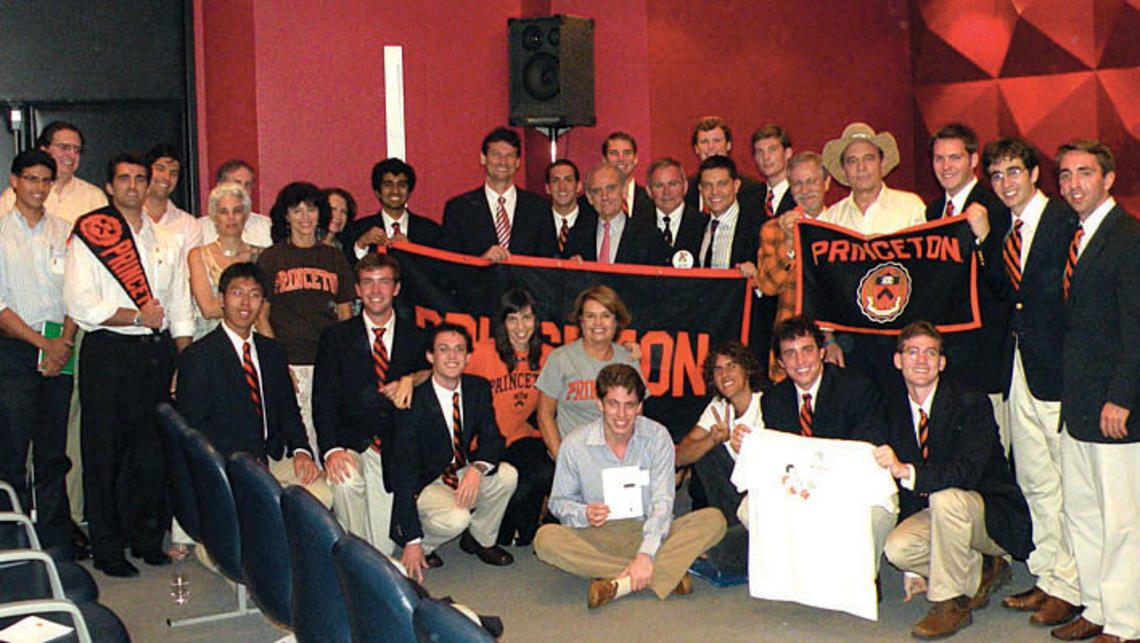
120 568
493 555
80 545
433 560
156 558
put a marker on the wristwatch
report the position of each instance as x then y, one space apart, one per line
138 320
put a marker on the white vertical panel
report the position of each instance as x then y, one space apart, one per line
394 101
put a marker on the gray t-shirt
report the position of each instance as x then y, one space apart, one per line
568 376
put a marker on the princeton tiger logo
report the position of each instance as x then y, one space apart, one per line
884 292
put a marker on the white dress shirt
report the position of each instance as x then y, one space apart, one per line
891 211
510 198
183 225
31 267
725 231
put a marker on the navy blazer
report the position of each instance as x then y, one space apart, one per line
348 408
787 202
1037 322
965 453
976 357
847 406
469 225
640 243
1101 350
420 230
423 442
214 398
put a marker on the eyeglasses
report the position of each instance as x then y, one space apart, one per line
1012 173
41 180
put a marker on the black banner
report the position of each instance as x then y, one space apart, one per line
677 314
105 233
880 284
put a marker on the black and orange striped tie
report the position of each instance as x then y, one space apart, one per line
251 379
625 207
450 475
1071 262
769 211
563 235
1012 254
806 416
949 209
380 366
923 435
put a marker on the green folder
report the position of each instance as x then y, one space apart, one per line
52 330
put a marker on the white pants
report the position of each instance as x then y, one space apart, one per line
442 520
1037 451
361 503
1102 509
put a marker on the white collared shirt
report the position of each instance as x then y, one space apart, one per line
674 220
778 191
183 225
1030 218
31 267
570 219
510 198
959 200
891 211
92 295
725 231
1092 223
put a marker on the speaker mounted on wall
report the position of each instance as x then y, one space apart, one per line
551 71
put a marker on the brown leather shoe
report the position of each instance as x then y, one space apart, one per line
1112 638
685 586
995 573
944 619
1054 611
1077 630
602 591
493 555
1028 601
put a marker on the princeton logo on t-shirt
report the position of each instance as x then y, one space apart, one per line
305 278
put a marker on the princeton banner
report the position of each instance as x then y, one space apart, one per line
880 284
677 314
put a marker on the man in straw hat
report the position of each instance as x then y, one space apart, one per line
860 159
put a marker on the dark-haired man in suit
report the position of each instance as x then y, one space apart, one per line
771 150
449 478
497 219
393 181
564 187
975 357
620 150
366 367
1100 446
608 235
234 387
712 136
960 507
681 226
1033 257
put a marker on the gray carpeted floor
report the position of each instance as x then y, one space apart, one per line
540 603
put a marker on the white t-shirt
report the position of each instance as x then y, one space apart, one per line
814 498
752 417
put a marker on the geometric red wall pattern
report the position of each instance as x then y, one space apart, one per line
1047 70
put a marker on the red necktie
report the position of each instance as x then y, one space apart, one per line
604 253
923 434
251 379
768 211
1012 254
563 235
1071 262
949 208
806 416
380 366
450 477
502 224
395 228
625 207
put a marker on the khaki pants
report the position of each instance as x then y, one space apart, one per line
604 552
441 520
361 503
282 470
944 543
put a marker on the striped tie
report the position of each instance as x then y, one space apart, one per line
768 211
380 366
503 225
949 209
395 228
923 434
806 416
1012 254
563 235
1071 262
625 207
251 379
450 475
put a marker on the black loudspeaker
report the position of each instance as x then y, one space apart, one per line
552 71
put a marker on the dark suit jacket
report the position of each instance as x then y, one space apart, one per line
1102 330
423 441
848 407
787 202
976 357
1037 308
469 226
550 229
690 233
640 243
348 408
642 204
214 398
965 454
420 230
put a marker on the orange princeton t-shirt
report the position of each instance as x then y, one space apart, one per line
513 394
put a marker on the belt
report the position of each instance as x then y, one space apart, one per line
149 338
